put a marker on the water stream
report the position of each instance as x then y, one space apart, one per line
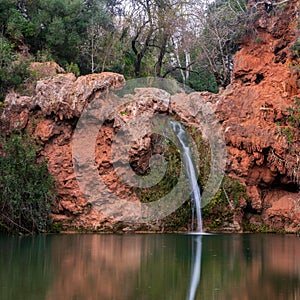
191 173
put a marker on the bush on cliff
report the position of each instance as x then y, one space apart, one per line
25 187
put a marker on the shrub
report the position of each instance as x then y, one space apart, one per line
73 68
13 76
26 187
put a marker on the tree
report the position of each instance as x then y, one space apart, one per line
13 63
154 26
223 23
98 48
171 32
165 38
61 27
14 25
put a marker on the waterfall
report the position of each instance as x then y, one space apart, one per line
191 172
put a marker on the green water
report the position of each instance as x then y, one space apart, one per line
156 267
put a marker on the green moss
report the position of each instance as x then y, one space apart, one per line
165 185
182 216
295 49
220 210
249 227
56 227
178 219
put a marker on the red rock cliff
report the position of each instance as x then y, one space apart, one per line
51 116
252 110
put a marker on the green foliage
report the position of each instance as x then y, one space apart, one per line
13 73
6 52
56 227
203 150
290 126
294 114
235 191
14 29
203 80
26 188
83 37
44 56
288 133
179 219
155 38
200 78
13 22
295 48
58 27
52 30
73 68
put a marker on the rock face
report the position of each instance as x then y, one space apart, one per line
252 110
51 116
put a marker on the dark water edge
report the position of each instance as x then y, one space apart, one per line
150 266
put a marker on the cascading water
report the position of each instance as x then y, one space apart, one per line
191 172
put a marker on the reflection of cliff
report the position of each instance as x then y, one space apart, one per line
147 267
158 267
94 267
118 267
251 267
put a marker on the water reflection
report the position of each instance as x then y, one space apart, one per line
196 266
150 267
95 267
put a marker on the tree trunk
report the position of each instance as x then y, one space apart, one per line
162 53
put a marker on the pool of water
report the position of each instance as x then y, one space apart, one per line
149 266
